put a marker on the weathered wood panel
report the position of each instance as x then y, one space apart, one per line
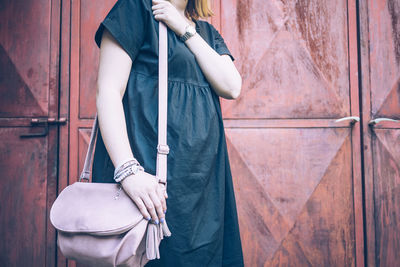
29 57
298 191
380 68
293 58
23 198
294 195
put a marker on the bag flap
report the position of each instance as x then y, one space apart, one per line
94 208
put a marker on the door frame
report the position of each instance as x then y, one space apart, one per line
64 107
354 63
53 133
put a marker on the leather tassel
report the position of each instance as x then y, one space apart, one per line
152 242
165 229
155 233
160 232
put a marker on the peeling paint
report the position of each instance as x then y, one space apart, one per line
394 10
243 15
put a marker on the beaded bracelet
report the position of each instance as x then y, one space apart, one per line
125 161
129 167
125 164
124 171
132 169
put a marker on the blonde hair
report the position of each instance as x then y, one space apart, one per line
198 8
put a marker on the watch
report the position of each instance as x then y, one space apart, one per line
189 32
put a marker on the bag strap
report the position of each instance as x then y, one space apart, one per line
162 147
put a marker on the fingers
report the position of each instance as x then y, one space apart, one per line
159 13
164 189
165 193
142 207
160 2
158 206
159 9
157 4
150 207
161 196
148 195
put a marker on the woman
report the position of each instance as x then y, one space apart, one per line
201 204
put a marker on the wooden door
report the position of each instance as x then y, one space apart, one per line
296 170
380 57
29 56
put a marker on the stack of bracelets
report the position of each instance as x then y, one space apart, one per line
129 167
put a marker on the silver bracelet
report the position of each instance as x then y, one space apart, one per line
123 172
130 170
125 164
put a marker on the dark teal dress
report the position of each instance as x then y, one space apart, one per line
201 208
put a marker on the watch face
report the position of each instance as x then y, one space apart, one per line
191 30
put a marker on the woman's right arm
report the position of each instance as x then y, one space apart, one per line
114 69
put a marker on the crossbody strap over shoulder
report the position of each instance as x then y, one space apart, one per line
162 147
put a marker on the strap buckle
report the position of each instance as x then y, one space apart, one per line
84 176
163 149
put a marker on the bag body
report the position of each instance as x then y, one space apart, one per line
98 224
113 251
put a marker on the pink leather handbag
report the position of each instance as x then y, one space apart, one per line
97 223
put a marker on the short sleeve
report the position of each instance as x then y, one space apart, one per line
219 43
126 21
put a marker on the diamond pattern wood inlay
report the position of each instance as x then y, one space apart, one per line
292 56
281 183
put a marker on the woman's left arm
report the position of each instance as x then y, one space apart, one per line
218 69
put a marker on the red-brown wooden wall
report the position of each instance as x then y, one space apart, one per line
310 190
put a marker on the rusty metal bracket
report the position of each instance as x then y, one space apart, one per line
44 122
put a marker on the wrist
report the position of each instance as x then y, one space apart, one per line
189 32
182 29
127 169
129 178
125 161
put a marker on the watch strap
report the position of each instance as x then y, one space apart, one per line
187 34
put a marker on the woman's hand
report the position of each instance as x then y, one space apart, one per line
149 196
164 11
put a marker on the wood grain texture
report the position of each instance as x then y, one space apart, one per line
293 57
380 69
386 152
294 181
29 60
299 192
